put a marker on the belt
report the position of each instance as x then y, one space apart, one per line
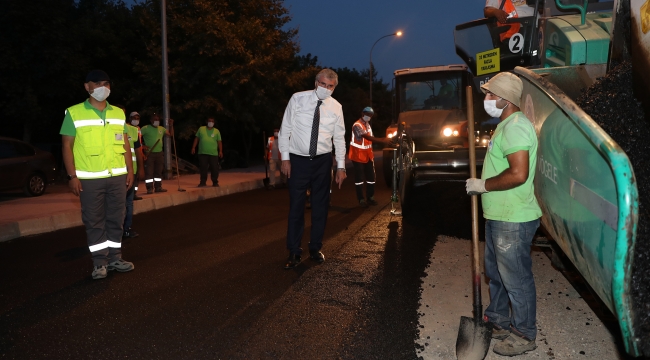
311 157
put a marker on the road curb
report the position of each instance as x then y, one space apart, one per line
68 219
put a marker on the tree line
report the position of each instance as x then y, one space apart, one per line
232 60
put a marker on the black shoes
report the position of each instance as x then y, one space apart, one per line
160 190
292 262
149 191
129 234
201 185
372 202
137 198
317 256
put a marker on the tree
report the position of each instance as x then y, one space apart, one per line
228 59
35 60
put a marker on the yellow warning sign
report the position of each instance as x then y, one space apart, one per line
488 61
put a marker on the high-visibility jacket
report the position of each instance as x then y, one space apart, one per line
360 148
510 9
133 133
271 145
98 144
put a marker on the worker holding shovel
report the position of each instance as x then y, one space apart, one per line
512 217
153 135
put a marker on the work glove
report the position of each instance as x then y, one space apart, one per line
475 186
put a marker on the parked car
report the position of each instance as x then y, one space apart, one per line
24 166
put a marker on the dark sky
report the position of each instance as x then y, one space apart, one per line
342 32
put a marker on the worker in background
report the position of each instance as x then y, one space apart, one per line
152 136
134 120
138 170
275 160
208 138
511 217
503 10
97 158
446 89
363 158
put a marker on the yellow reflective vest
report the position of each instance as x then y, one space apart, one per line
132 131
99 144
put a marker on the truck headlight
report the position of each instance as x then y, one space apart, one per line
446 132
392 135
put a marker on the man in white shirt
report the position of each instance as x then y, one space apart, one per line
312 121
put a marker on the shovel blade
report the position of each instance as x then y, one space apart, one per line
473 340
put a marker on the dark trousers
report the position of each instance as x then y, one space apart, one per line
102 212
153 170
364 172
128 217
212 162
305 174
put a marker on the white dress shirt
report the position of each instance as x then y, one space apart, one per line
295 132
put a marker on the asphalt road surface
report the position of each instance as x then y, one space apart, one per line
209 283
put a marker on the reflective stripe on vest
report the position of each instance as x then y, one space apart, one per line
358 146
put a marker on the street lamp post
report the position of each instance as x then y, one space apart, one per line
399 33
165 80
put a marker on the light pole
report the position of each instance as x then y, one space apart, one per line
399 33
165 80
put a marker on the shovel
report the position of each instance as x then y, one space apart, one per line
474 334
266 180
178 175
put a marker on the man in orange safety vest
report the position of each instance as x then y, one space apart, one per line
362 157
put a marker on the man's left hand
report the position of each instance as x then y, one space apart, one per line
475 186
129 180
340 176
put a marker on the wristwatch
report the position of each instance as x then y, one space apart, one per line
70 177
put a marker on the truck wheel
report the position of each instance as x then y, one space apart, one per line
387 162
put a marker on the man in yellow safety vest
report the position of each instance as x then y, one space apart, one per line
97 157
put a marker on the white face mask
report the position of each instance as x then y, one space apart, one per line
135 122
366 118
156 123
323 93
210 124
492 109
100 93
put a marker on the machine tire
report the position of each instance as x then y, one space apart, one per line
35 185
388 166
405 175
